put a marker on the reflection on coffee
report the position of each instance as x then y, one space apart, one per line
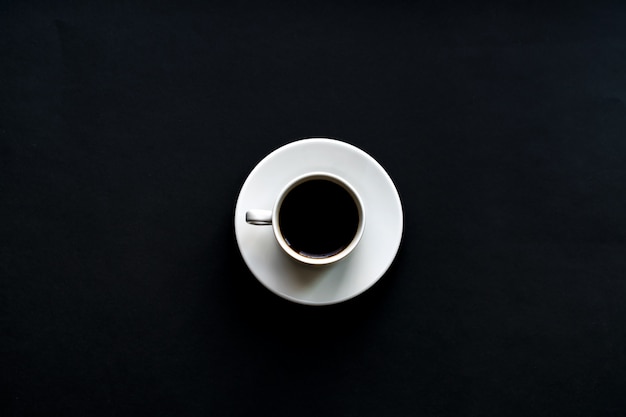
318 218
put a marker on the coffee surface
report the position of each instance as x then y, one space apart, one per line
318 218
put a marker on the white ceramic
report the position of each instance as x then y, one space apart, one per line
340 281
260 217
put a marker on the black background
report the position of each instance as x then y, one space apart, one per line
126 131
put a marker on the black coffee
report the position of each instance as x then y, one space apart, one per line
318 218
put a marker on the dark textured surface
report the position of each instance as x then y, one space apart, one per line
127 130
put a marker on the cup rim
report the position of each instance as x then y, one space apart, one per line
308 177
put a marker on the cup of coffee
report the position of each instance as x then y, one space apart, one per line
317 218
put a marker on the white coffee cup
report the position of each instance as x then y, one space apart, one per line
313 214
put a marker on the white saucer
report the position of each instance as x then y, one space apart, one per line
347 278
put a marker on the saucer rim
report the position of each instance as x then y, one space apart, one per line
380 170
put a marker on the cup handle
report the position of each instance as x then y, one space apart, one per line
259 217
